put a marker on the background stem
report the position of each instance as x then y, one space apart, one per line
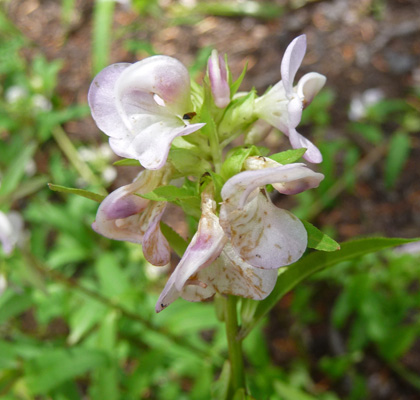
234 344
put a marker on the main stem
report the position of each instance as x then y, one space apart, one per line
234 345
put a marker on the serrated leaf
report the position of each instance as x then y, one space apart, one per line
319 240
289 156
79 192
127 162
399 150
295 273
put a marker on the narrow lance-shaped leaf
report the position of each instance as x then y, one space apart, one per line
314 262
80 192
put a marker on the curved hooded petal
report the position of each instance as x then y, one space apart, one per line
156 248
218 80
118 216
141 107
205 246
262 234
309 86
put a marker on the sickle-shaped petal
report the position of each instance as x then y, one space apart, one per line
205 246
291 62
141 107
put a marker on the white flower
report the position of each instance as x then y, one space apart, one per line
282 105
11 230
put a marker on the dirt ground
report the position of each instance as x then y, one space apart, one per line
358 45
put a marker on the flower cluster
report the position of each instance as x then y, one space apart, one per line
175 128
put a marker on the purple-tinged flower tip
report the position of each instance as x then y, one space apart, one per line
123 215
141 106
218 80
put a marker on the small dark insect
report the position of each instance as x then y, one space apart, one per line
189 115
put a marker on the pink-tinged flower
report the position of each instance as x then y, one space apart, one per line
11 230
210 265
282 105
141 107
239 254
123 215
218 80
262 234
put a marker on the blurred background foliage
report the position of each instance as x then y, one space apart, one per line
77 310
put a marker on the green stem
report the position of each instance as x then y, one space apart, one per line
234 345
72 155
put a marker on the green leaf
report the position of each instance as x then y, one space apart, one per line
112 279
289 156
235 160
168 193
288 392
127 162
177 243
56 366
292 275
399 150
220 389
80 192
188 163
235 85
13 304
318 240
16 170
372 133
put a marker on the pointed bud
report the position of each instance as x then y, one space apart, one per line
218 80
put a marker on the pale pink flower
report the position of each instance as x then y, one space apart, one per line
240 251
142 106
123 215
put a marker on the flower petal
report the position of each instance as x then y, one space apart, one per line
218 80
230 274
205 246
309 86
118 216
291 62
298 141
101 99
265 236
156 248
162 75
